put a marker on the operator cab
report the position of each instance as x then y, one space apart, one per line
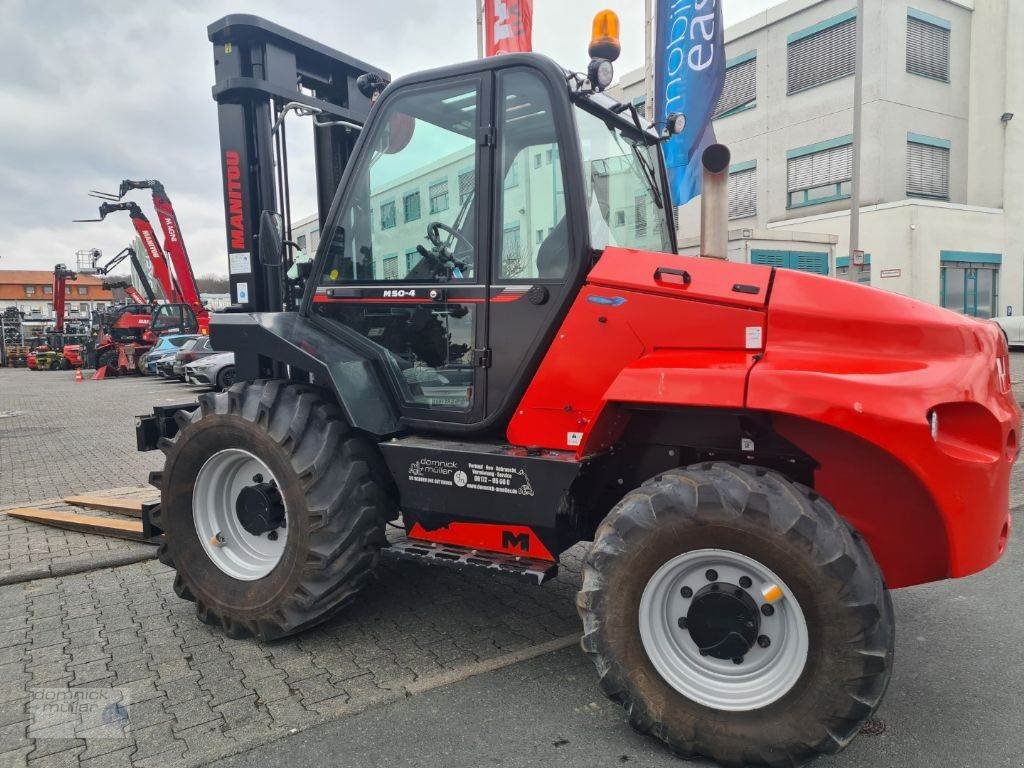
478 198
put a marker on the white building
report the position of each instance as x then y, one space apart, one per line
942 216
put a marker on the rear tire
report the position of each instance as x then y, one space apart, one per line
336 500
226 377
830 582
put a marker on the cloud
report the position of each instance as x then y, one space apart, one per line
95 92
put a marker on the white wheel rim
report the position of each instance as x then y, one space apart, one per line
236 552
765 674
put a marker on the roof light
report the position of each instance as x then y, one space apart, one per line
604 42
600 73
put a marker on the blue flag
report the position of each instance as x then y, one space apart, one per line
689 70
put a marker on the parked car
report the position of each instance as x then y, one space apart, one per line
165 346
215 371
1013 329
190 352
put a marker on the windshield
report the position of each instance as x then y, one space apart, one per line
624 196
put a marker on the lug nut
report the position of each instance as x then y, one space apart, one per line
711 574
737 660
686 592
703 652
767 609
272 535
682 622
764 641
745 582
257 478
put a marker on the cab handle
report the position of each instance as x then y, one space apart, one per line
660 273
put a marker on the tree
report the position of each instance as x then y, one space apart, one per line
213 283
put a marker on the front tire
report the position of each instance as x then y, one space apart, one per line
226 377
334 500
685 637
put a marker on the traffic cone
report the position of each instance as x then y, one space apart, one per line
78 376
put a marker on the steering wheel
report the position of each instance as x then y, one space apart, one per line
434 230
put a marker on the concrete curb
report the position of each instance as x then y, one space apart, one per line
76 565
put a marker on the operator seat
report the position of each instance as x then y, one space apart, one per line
553 254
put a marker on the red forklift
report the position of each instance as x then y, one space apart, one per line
751 478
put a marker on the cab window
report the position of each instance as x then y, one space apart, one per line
534 234
410 214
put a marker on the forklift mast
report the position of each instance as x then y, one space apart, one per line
261 69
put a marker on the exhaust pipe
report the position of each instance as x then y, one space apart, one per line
714 202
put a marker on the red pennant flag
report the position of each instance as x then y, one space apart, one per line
508 25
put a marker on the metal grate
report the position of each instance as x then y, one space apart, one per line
740 87
927 171
743 194
536 571
822 57
830 166
927 49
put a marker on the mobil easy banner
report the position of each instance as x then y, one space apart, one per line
508 25
689 69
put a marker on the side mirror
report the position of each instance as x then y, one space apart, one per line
271 239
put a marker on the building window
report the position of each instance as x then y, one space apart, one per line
82 290
387 215
640 215
412 258
84 308
537 160
620 218
927 167
927 45
823 53
411 206
30 290
467 183
99 306
743 191
804 261
439 196
67 290
739 91
47 290
301 241
391 266
540 235
820 173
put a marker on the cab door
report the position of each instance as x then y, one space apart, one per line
404 278
539 250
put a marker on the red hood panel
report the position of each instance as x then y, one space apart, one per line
744 285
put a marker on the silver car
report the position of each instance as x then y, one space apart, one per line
1013 328
217 370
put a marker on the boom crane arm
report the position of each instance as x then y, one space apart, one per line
161 269
174 243
61 275
129 253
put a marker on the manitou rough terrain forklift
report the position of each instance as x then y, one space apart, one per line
497 344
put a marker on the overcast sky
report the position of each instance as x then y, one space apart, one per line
96 92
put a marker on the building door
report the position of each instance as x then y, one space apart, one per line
804 261
970 288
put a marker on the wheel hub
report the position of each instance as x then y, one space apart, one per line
723 629
260 508
723 621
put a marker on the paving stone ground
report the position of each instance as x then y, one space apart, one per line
58 437
194 695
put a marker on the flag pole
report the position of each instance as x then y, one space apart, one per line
479 28
649 59
858 79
